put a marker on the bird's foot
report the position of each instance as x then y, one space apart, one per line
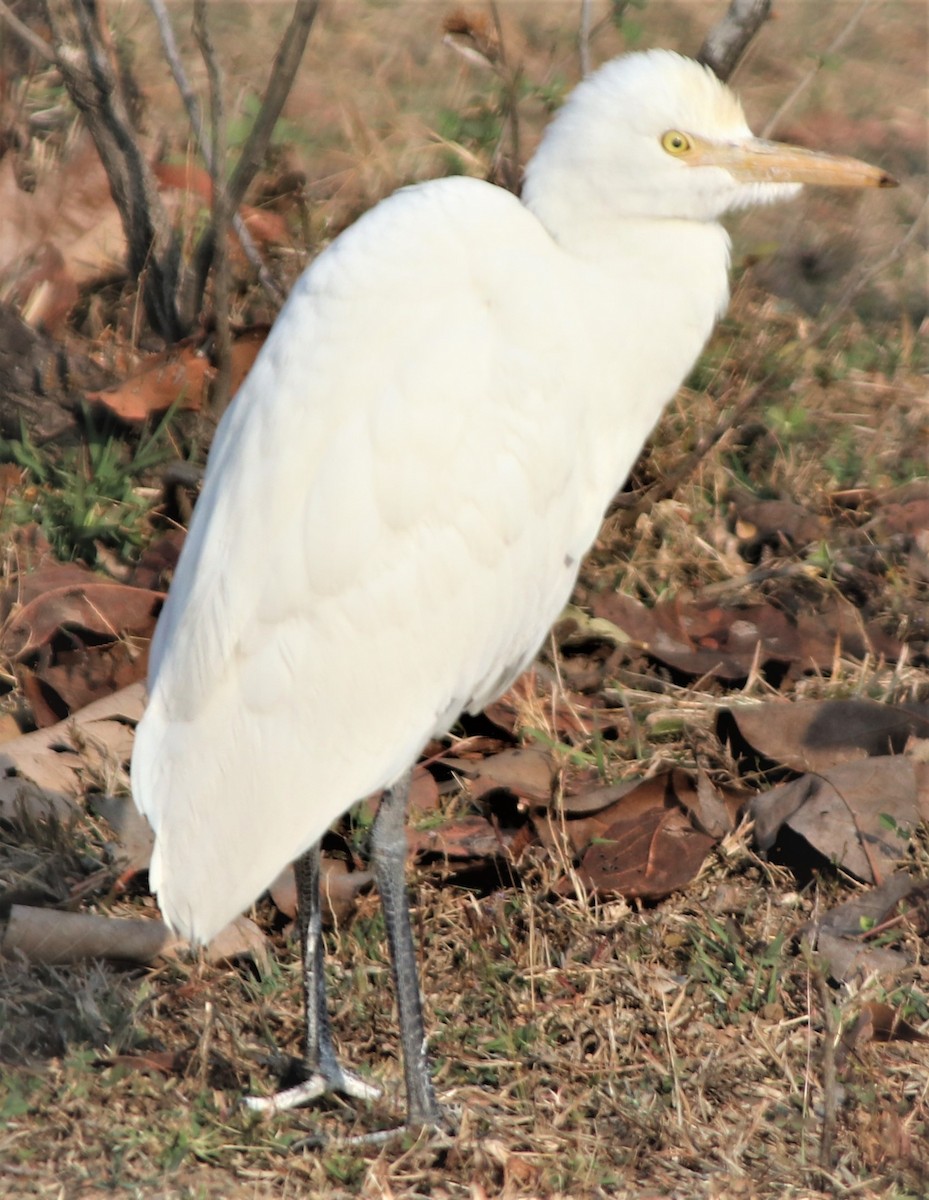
441 1129
318 1082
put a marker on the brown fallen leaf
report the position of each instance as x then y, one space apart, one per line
887 1024
40 573
646 858
241 938
813 735
842 935
133 837
43 772
700 637
857 815
108 610
467 839
424 792
160 1062
715 811
526 771
648 841
778 522
338 886
81 677
179 376
42 288
70 211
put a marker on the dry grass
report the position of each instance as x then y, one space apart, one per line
681 1050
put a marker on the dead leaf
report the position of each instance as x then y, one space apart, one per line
841 935
108 610
701 637
715 812
44 771
424 792
241 938
646 843
70 210
161 1062
132 833
82 676
526 771
339 889
467 839
179 376
887 1025
813 735
647 857
857 815
778 522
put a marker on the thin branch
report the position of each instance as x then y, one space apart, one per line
830 1077
204 145
283 72
728 40
25 34
583 37
220 208
509 77
286 62
172 54
154 254
834 46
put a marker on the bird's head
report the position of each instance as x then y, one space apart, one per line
658 135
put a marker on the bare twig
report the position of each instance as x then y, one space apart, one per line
172 54
286 62
728 40
154 254
192 104
834 46
25 34
510 77
283 72
583 37
215 157
830 1081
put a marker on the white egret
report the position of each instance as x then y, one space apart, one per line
398 499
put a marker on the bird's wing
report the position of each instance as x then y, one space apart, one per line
392 516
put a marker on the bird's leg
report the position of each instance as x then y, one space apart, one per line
323 1071
388 838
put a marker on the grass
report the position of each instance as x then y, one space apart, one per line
89 495
589 1048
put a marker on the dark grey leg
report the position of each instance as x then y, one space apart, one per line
324 1074
388 839
319 1054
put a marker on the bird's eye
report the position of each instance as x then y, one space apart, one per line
675 142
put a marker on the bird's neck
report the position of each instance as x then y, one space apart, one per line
652 291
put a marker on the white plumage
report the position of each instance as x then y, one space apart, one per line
398 500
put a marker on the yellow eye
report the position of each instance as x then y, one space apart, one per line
675 142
